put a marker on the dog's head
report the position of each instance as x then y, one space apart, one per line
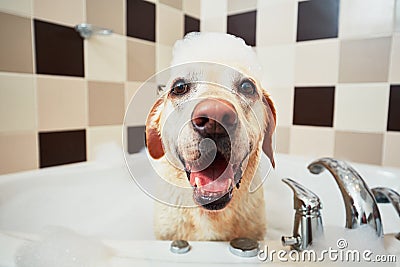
212 118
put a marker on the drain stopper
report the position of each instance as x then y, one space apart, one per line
244 247
180 246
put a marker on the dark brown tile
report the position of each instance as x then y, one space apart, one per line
317 19
394 109
243 25
57 148
59 50
136 139
141 19
191 24
314 106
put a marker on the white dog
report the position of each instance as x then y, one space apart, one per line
216 96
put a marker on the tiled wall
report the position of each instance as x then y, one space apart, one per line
332 67
60 95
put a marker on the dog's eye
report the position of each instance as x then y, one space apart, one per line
247 87
180 87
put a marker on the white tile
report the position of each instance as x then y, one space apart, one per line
106 58
214 9
163 56
17 102
276 22
278 64
169 25
283 100
20 7
361 107
397 17
366 18
312 141
192 8
394 69
317 62
218 24
101 136
240 6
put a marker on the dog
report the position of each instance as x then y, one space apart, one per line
222 121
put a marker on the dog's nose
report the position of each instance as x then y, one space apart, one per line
214 117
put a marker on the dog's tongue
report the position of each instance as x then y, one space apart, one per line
215 178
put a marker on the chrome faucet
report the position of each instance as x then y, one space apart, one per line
360 204
387 195
307 221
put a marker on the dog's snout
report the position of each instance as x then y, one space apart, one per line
214 117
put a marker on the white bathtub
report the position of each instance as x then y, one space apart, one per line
100 199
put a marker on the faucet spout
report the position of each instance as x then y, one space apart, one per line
387 195
360 204
307 221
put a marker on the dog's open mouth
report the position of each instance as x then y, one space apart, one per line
213 186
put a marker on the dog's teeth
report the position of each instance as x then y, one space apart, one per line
197 181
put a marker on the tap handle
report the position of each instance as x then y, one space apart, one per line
304 199
360 204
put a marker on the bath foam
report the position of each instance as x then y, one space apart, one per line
62 247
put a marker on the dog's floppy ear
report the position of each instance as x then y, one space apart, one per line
269 131
152 135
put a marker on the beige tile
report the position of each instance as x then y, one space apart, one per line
366 18
214 9
69 12
359 147
16 44
141 60
218 24
276 22
283 100
317 62
106 103
312 141
17 102
164 56
361 107
364 60
394 71
142 97
130 90
278 65
62 103
169 25
18 152
106 14
391 151
106 58
192 8
101 136
282 140
21 7
173 3
240 6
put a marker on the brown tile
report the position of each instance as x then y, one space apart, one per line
191 24
141 19
106 14
173 3
106 103
314 106
61 103
394 109
16 44
18 152
58 148
359 147
243 25
17 102
70 12
141 60
59 50
364 60
135 139
282 140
